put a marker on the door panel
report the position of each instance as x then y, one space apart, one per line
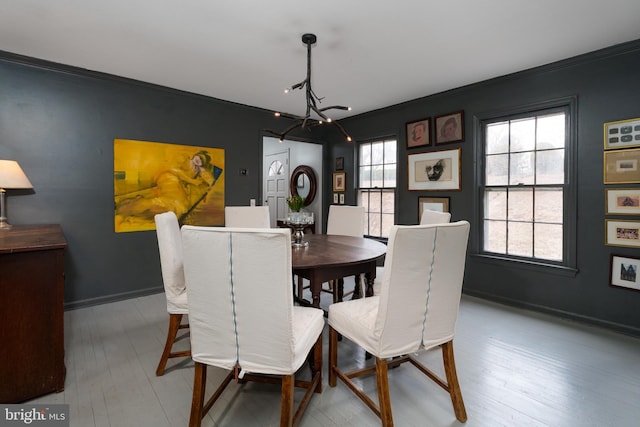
276 184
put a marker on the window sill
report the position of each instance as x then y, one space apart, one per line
541 267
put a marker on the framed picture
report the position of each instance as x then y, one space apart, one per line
418 133
339 163
622 166
449 127
342 198
435 170
622 134
440 204
622 233
335 198
622 201
339 179
624 272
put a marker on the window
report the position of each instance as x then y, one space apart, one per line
377 185
526 190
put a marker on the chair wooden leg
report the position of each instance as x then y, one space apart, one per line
384 401
317 362
452 381
197 400
286 408
333 355
172 333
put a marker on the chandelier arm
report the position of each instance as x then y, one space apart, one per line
337 107
344 132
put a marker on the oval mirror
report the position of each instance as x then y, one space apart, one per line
303 183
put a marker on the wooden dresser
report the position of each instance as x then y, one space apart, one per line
31 312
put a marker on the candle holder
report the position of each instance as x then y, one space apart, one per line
298 221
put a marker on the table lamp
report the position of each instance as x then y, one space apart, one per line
11 177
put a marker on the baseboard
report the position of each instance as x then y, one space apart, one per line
617 327
112 298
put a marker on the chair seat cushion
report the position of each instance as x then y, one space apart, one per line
308 323
355 319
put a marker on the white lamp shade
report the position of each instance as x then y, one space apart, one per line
12 176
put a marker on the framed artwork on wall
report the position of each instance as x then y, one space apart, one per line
342 198
622 166
339 163
335 198
418 133
622 233
449 127
440 204
339 181
624 272
622 201
434 170
622 134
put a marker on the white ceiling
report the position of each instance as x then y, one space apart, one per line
369 54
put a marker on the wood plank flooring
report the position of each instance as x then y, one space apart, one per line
516 368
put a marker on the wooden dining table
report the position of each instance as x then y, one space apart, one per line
329 257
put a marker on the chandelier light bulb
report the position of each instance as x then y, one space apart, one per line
277 114
329 120
349 139
286 90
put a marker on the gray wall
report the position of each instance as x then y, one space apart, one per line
607 84
59 124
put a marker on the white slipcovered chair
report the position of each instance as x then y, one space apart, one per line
428 217
416 310
247 216
434 217
170 248
242 315
345 221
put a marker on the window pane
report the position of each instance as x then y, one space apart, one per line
367 219
495 236
375 225
523 135
365 154
376 153
365 177
497 169
387 222
495 204
520 204
376 176
390 175
374 202
497 135
549 205
521 168
390 152
520 239
364 200
550 167
551 131
548 241
388 202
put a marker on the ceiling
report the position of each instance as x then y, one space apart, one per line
369 55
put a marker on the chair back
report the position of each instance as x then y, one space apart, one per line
240 304
434 217
170 247
421 286
346 220
247 216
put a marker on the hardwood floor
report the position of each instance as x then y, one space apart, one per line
516 368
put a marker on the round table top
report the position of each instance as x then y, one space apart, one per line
330 250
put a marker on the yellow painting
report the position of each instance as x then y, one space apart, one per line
153 177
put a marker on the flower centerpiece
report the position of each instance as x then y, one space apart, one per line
295 203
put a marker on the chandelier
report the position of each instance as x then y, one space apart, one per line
306 121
